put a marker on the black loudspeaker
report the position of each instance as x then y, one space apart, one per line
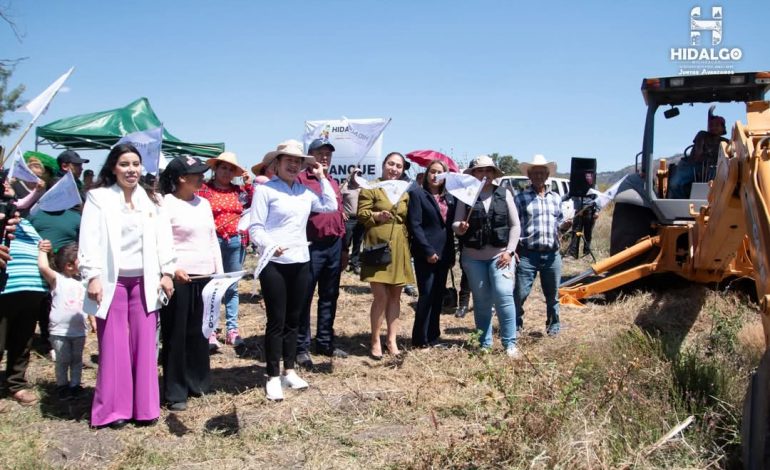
582 176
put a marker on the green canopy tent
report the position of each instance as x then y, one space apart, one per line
103 129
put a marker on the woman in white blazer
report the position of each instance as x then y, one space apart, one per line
127 258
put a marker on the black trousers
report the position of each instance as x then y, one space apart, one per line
325 272
431 283
584 223
284 287
18 315
185 357
354 234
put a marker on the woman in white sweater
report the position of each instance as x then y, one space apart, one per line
185 358
127 258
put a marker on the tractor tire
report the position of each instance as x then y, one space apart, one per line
756 418
629 224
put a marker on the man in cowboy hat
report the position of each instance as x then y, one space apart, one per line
541 219
325 232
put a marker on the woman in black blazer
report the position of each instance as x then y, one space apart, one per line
430 216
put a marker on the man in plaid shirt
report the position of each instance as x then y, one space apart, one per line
541 221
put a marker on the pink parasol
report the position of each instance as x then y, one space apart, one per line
423 157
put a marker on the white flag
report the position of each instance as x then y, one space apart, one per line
63 195
39 104
148 143
20 170
212 295
604 198
394 189
464 187
365 135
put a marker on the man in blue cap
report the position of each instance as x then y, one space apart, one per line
325 232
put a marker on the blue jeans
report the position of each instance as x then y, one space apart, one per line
686 174
489 286
232 260
548 264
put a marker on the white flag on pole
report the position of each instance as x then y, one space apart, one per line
148 142
39 104
20 170
212 295
63 195
464 187
604 198
365 135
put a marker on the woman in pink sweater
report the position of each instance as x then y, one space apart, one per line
185 357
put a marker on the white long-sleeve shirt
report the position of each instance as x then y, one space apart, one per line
279 216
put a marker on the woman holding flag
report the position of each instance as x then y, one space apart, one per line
383 214
228 202
431 213
185 357
489 232
279 214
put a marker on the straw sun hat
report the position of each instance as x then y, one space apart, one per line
290 147
227 157
483 161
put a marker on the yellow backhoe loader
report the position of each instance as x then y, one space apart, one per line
721 231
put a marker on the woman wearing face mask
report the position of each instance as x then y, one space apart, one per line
385 222
185 355
127 259
431 213
279 214
489 235
228 201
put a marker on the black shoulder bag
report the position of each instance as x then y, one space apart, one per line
379 254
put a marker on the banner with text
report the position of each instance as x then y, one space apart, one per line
356 142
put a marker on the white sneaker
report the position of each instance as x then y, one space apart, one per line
512 351
273 390
293 381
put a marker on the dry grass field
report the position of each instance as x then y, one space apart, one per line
602 394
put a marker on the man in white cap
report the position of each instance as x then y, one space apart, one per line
541 219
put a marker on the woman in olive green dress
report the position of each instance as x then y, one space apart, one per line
381 218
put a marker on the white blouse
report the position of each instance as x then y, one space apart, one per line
279 216
130 242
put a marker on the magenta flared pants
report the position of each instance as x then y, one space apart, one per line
127 380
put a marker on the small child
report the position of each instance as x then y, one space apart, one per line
68 324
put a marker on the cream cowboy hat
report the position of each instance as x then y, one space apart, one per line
227 157
483 161
538 160
291 147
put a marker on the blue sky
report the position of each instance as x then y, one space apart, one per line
467 78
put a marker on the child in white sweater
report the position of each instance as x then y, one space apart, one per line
68 324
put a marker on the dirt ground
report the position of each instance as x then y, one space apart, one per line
357 412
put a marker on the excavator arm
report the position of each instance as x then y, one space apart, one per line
729 237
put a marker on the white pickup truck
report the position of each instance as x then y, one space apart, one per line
558 185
